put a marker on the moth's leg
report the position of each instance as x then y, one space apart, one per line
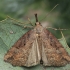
56 28
15 20
21 24
30 22
27 27
24 26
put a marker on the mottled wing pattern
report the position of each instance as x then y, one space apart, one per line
24 51
53 53
36 45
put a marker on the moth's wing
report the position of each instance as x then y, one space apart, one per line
53 53
24 52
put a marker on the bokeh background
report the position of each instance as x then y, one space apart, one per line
21 9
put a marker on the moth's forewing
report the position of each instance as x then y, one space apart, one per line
24 51
55 53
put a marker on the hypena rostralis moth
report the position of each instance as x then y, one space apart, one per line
37 46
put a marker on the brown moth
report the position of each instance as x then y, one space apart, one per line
35 47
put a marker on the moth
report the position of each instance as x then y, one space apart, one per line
37 46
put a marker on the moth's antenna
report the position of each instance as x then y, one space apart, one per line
50 12
36 17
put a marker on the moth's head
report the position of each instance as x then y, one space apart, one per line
37 23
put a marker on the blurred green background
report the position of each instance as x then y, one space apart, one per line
21 9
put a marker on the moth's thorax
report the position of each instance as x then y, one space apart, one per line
38 28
